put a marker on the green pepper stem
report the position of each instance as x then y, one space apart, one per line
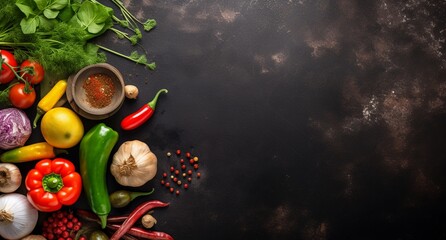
134 195
103 219
52 182
39 114
152 103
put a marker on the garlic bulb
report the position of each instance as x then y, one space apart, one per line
17 216
10 177
133 164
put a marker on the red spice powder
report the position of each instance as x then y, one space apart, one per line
99 90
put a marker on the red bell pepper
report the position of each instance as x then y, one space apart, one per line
52 184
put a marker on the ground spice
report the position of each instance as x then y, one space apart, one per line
99 90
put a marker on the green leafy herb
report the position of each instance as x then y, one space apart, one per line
57 33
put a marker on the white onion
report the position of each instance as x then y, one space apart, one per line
17 216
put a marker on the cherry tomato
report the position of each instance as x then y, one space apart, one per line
20 98
33 71
6 74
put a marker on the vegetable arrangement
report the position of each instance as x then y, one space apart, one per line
42 42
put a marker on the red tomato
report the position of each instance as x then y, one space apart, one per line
32 71
6 74
20 98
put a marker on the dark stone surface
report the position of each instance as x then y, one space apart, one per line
312 119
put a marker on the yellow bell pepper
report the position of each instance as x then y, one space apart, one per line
49 101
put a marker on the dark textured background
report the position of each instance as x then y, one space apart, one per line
312 119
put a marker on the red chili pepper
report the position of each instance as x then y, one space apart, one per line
142 233
137 213
143 114
52 184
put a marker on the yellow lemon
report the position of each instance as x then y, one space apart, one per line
62 128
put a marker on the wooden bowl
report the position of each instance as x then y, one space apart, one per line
85 103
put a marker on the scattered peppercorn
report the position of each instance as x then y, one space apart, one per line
179 167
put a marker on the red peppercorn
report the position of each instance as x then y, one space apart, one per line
162 182
70 225
178 192
175 179
167 184
181 161
183 167
189 172
189 179
186 186
196 166
177 172
178 152
172 168
198 175
171 189
191 161
188 154
164 174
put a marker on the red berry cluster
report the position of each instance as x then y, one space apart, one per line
61 225
181 172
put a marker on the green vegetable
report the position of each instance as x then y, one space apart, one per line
122 198
57 33
94 152
98 235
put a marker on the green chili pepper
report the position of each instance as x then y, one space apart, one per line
94 152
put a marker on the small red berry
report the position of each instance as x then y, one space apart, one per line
178 152
188 154
186 186
196 166
198 175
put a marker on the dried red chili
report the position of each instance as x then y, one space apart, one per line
99 90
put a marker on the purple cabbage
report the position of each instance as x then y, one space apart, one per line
15 128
